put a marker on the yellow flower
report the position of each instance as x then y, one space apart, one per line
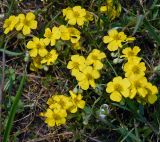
87 77
74 35
65 11
9 24
112 10
37 47
50 58
60 101
130 53
134 67
65 35
36 63
114 39
142 90
26 23
76 64
95 58
76 15
77 102
51 36
138 84
89 16
130 39
118 87
76 45
103 8
55 117
152 92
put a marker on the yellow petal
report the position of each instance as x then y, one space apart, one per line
33 24
126 93
136 49
73 109
84 84
112 46
33 52
30 16
53 42
92 83
81 104
103 8
6 31
115 96
95 74
72 21
152 99
42 52
112 32
142 92
46 41
26 30
31 45
80 21
107 39
19 26
50 122
98 65
70 65
110 87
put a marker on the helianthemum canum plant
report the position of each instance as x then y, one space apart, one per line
100 63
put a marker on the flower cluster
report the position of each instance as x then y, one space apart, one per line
86 70
60 106
62 32
41 56
114 39
77 15
21 22
111 8
135 84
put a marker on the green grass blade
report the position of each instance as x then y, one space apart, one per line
139 23
10 53
13 110
151 31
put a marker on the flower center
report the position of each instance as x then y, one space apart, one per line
118 87
137 84
56 117
76 14
89 76
94 57
116 37
76 65
8 23
130 53
49 56
26 22
38 45
136 69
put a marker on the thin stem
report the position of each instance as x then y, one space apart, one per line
112 67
